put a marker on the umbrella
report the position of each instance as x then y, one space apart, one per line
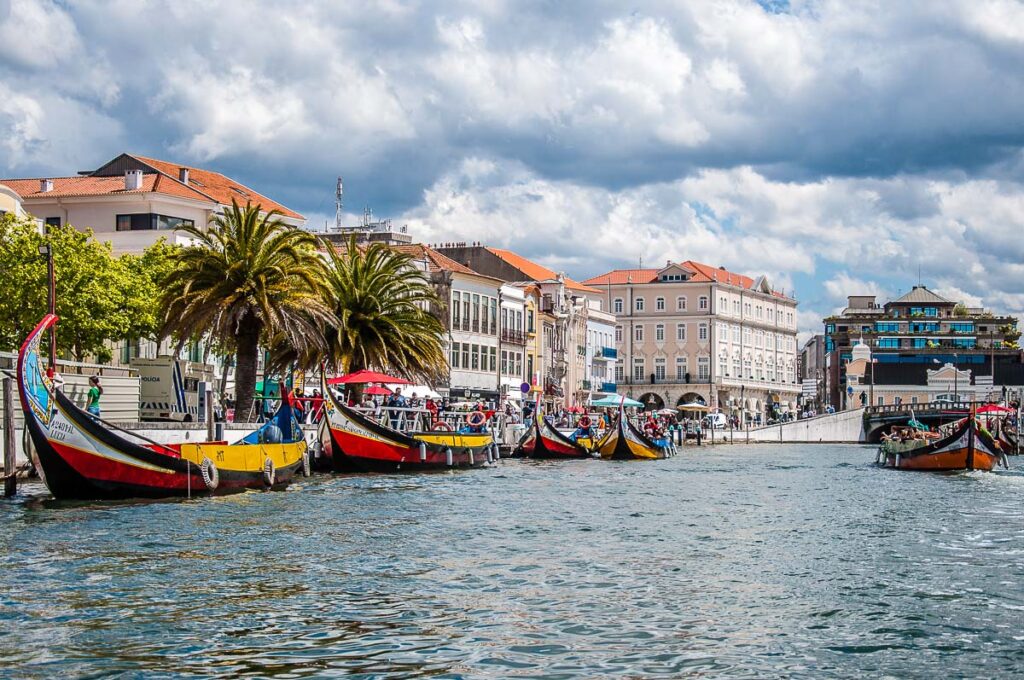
364 376
613 400
666 412
377 391
988 409
693 406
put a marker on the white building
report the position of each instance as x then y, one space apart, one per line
601 354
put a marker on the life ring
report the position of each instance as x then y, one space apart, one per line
584 422
307 470
269 472
442 425
211 477
476 418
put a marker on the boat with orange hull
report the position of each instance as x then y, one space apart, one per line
544 441
351 441
960 446
624 441
80 457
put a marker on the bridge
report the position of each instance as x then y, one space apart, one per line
879 419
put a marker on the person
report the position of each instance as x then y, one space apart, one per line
432 410
414 401
299 405
316 406
92 405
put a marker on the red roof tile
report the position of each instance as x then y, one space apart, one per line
535 271
620 276
101 186
218 187
437 261
701 273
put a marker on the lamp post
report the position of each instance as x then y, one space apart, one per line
956 379
46 250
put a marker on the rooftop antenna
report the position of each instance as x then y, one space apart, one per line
338 204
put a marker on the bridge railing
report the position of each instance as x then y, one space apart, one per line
925 409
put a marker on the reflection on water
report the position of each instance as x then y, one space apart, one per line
748 562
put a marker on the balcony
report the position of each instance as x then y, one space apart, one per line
586 384
513 337
609 353
608 387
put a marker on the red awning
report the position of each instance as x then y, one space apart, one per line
377 391
993 408
363 377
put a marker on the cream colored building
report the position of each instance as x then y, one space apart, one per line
689 332
10 202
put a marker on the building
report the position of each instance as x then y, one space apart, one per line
563 311
599 366
10 202
920 329
811 367
689 332
133 201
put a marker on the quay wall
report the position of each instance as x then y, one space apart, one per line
841 427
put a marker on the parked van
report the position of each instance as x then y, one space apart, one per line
717 421
169 388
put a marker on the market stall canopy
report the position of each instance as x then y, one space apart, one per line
693 406
989 409
363 377
614 400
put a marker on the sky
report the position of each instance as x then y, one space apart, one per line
840 147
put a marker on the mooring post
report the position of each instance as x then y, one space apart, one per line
10 454
210 426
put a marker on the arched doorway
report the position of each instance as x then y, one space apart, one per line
651 401
691 398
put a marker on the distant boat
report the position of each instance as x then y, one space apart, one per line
960 446
352 441
81 457
623 441
542 440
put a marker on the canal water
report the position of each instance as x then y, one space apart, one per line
743 561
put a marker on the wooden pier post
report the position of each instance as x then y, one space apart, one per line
10 453
208 414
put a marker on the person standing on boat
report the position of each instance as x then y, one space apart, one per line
92 404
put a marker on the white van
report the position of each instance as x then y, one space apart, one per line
169 388
717 421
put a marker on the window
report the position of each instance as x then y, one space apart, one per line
619 373
703 368
639 302
659 332
736 307
964 343
887 327
681 368
702 302
504 362
961 327
149 222
638 333
617 305
680 332
455 355
889 343
618 334
681 304
465 356
659 304
465 317
494 318
736 370
529 321
881 401
702 332
659 369
735 333
52 222
494 360
474 357
475 307
723 305
456 310
913 400
638 369
723 366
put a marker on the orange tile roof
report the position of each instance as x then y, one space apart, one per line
535 271
620 276
101 186
435 260
218 187
701 273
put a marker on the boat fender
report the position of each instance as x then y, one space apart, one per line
307 470
211 477
423 452
487 452
476 418
1006 461
471 461
497 451
269 472
897 464
448 456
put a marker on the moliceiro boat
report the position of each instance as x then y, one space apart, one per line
542 440
624 441
81 457
959 446
353 441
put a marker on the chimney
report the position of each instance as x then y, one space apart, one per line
45 185
132 180
183 175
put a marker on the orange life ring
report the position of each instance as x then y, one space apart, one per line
584 421
476 418
443 426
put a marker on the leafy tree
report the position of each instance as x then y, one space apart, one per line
380 300
148 272
960 310
247 278
98 296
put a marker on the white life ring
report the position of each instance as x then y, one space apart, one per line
306 469
269 472
211 477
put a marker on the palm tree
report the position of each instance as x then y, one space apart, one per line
381 302
245 279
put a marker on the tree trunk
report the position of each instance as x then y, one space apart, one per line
247 348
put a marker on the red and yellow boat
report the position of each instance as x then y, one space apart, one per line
623 441
80 457
960 446
351 441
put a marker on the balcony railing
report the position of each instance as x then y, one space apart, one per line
607 387
586 384
513 337
609 353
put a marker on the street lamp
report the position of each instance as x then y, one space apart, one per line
956 379
51 300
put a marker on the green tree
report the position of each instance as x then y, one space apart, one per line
98 297
245 279
380 300
148 273
960 310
